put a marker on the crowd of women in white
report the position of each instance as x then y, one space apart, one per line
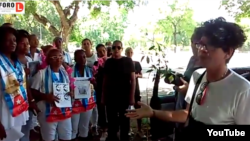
55 123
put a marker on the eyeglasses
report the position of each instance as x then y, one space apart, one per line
202 93
56 57
116 47
204 46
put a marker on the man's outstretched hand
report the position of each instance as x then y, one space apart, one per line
143 112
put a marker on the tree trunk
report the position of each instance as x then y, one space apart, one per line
67 21
65 36
175 42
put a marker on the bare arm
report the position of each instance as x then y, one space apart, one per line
133 84
173 116
38 95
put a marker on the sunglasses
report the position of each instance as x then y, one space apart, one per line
56 57
202 93
116 47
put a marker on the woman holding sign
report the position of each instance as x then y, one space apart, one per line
14 99
55 105
84 101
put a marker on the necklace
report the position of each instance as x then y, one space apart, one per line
222 76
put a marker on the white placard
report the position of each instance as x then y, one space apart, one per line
61 90
13 134
36 57
33 66
82 88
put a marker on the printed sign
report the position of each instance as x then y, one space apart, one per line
33 66
61 90
82 88
12 7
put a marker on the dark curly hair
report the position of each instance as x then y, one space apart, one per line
223 34
197 34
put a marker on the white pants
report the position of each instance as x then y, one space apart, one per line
80 124
49 130
94 119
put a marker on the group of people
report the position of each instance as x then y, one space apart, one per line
28 101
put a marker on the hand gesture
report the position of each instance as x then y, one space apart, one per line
50 98
71 94
143 112
3 134
183 88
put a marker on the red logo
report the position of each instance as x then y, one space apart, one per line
19 7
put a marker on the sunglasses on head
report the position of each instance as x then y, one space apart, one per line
202 93
116 47
56 57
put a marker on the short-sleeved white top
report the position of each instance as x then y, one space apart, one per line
227 101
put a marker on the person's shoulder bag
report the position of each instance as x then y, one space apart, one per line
183 133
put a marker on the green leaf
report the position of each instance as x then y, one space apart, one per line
151 48
159 47
142 58
153 66
148 60
148 71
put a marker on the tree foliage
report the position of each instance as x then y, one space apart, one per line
177 26
237 8
48 13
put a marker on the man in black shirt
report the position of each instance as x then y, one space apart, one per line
118 91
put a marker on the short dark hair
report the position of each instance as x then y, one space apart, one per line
223 34
118 41
99 46
78 51
87 39
57 38
22 34
3 32
108 43
7 24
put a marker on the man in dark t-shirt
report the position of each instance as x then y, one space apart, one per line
118 91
